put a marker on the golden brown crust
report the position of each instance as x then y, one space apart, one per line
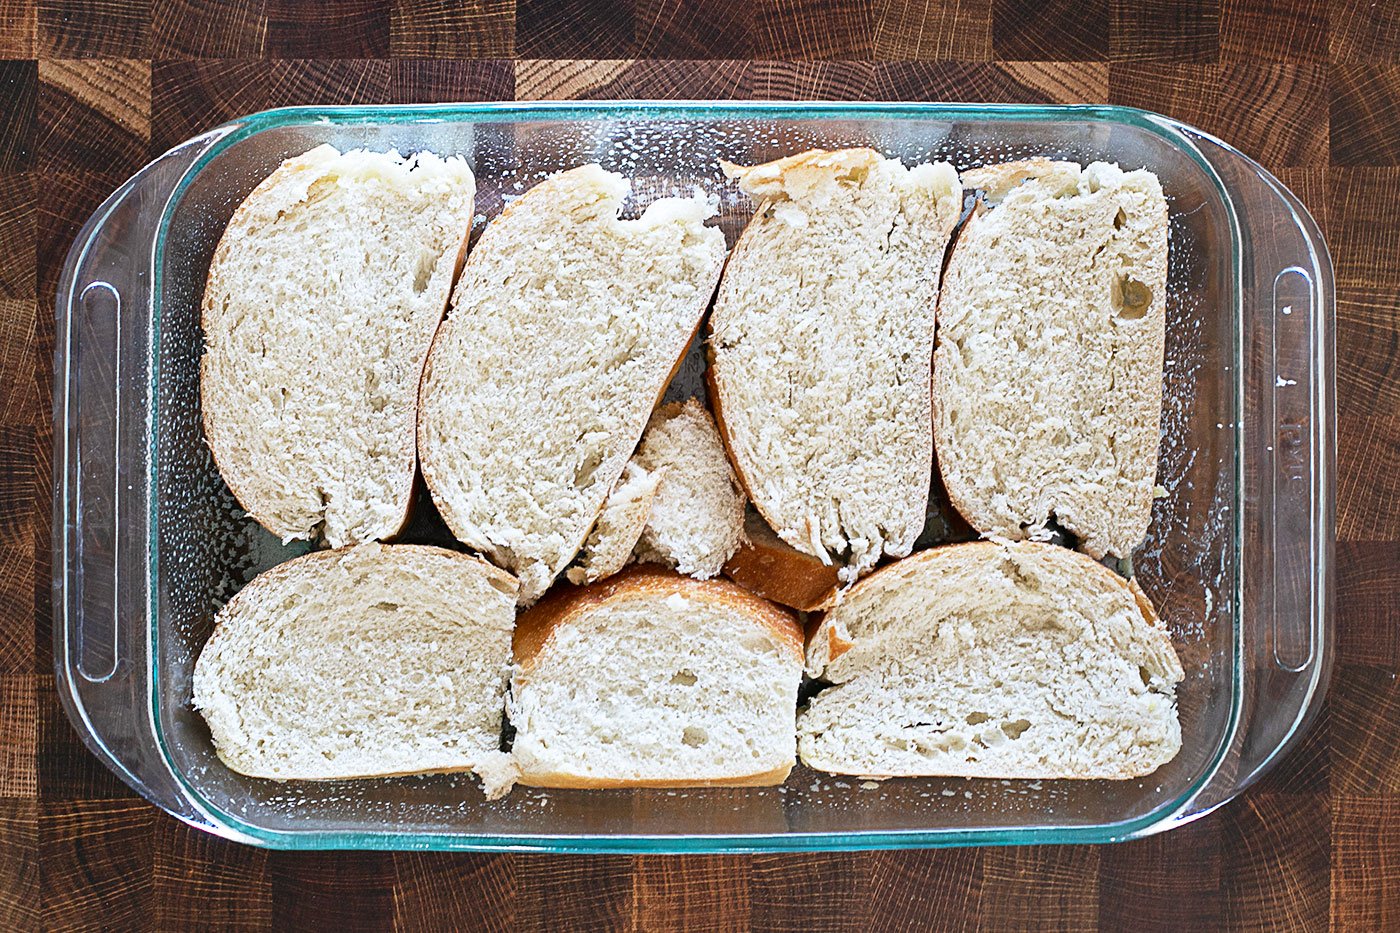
563 606
554 779
768 566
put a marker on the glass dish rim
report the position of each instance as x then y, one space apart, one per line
228 825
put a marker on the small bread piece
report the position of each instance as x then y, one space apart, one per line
322 300
820 346
992 659
1048 373
697 519
651 679
770 567
610 543
367 661
565 328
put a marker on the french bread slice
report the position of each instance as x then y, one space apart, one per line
652 679
820 345
566 325
624 516
321 302
1048 371
697 519
992 659
367 661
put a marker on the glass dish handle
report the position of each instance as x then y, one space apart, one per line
102 465
1289 447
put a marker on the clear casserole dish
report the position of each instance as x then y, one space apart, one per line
148 541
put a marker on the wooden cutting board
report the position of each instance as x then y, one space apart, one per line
91 89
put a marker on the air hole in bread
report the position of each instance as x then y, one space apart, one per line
427 264
694 736
1131 298
683 678
1145 674
386 607
977 718
1014 728
1119 219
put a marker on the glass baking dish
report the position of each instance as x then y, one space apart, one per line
148 541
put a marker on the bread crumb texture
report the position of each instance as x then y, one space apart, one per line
625 513
821 342
652 678
366 661
1048 370
565 327
697 519
988 659
322 299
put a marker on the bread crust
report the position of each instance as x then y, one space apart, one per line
560 780
768 566
563 606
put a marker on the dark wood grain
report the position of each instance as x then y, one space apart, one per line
1366 862
91 89
18 19
16 262
1276 30
1364 31
19 87
1185 31
93 29
1365 107
1050 30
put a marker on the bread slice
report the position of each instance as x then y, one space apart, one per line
768 566
820 345
565 328
991 659
322 299
368 661
697 519
1048 372
625 513
651 679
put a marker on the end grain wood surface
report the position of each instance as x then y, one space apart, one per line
91 89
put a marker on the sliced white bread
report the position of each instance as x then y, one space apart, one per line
1048 372
996 660
367 661
651 679
566 325
820 346
322 299
697 519
768 566
624 516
